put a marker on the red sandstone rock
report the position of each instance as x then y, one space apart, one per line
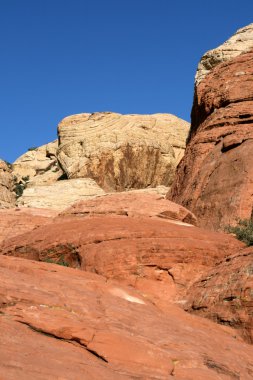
60 323
161 256
17 221
225 293
215 178
131 204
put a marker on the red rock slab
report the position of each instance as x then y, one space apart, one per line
170 256
131 205
225 293
17 221
73 324
215 178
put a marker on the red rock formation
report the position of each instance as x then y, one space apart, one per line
17 221
225 293
215 177
97 329
160 255
131 204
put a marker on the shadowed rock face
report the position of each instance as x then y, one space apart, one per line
122 151
225 294
7 197
98 329
215 178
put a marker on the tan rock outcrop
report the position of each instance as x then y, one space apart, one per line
215 178
122 151
38 165
59 195
7 197
240 42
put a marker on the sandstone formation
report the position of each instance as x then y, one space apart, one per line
132 204
38 165
240 42
60 194
98 329
7 197
143 248
122 151
225 293
215 178
16 221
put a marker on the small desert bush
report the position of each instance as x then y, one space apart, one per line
243 231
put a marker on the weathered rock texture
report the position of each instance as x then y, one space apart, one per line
38 165
225 293
7 197
71 325
240 42
132 204
215 178
17 221
60 194
122 151
144 247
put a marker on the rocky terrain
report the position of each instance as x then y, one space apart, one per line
103 275
215 178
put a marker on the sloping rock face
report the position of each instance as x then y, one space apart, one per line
145 248
38 165
131 204
17 221
7 197
225 293
215 178
98 329
122 151
60 194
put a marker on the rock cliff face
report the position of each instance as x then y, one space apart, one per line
122 151
215 177
7 197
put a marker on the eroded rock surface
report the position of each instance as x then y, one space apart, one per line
94 329
131 204
39 166
60 194
17 221
122 151
225 293
7 197
215 178
240 42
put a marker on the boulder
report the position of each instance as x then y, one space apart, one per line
7 196
38 166
215 178
73 324
60 194
122 151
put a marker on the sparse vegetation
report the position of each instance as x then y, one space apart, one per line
243 231
33 148
60 261
19 186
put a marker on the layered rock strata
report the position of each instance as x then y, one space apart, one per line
92 328
215 177
122 151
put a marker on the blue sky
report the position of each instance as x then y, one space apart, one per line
61 57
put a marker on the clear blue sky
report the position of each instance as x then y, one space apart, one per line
60 57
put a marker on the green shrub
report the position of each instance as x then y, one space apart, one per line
33 148
61 261
243 231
